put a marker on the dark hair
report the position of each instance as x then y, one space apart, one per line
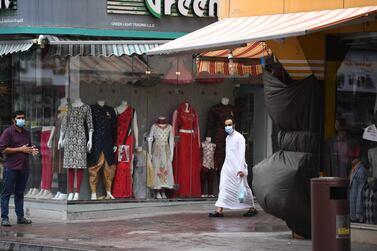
16 113
229 117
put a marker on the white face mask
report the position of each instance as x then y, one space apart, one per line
229 129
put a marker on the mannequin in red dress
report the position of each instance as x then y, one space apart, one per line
187 155
127 134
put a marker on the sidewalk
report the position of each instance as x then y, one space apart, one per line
187 227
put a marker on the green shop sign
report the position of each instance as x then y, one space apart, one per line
159 8
8 4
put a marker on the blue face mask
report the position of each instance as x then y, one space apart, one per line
229 129
20 123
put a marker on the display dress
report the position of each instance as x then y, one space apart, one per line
215 130
161 154
46 181
187 156
75 141
122 184
208 166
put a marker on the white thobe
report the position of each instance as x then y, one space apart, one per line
229 180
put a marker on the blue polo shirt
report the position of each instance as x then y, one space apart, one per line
12 138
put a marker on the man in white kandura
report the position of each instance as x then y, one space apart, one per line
234 175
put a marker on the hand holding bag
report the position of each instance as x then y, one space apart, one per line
242 191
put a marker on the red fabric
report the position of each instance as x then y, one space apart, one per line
46 180
122 184
71 179
187 155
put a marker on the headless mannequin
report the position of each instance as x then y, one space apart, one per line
207 175
79 172
162 122
93 196
121 108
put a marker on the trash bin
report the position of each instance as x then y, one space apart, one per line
330 214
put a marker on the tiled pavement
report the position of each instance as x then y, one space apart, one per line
190 230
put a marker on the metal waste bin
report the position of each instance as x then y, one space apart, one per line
330 214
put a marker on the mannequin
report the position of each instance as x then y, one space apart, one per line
225 100
46 181
142 173
72 138
208 166
215 129
127 134
102 153
187 155
162 139
58 153
35 172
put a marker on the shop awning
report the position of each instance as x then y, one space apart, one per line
67 46
13 46
237 32
252 50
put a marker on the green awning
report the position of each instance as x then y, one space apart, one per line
68 46
14 46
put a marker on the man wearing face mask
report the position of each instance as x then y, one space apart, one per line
233 175
15 145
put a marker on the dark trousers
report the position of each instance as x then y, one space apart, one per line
14 183
207 178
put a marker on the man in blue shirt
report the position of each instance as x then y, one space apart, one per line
15 144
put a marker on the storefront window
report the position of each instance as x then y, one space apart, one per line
153 126
354 148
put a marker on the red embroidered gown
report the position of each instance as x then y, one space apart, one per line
122 184
187 155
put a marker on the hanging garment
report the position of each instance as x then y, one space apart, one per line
208 150
359 176
372 157
215 130
161 156
142 174
208 167
370 202
230 182
122 184
75 142
187 155
46 181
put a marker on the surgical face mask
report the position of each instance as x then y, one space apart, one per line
20 123
229 129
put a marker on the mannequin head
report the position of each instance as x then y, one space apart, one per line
63 102
161 121
225 101
101 102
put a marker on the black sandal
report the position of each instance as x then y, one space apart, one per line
23 220
251 213
216 214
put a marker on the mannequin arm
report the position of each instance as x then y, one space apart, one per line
136 130
61 141
90 141
175 114
49 143
171 144
150 139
